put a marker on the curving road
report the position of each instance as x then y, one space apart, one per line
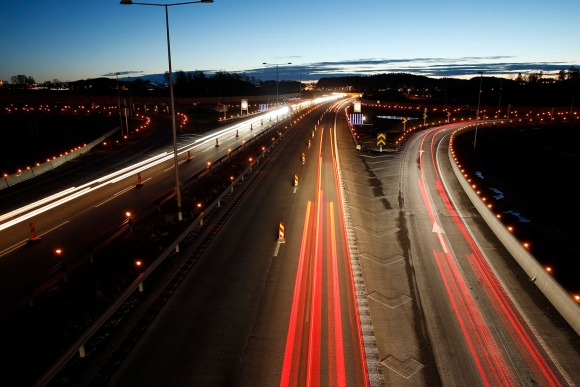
447 302
447 305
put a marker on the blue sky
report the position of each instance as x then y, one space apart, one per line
71 40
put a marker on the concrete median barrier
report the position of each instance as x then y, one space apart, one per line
40 169
16 178
58 161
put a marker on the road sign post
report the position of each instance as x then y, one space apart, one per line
381 140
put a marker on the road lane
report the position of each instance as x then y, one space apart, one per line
100 208
501 346
242 310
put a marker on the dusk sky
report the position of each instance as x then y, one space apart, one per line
71 40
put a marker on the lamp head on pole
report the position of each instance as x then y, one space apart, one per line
126 2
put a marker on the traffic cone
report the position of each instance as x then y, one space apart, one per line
139 181
33 237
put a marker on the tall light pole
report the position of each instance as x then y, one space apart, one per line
499 103
446 90
130 98
300 85
478 102
277 64
174 127
119 104
573 92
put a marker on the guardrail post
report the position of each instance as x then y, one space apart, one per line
201 222
91 257
141 287
31 300
177 248
82 352
219 203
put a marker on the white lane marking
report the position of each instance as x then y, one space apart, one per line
295 188
13 247
22 243
165 170
277 249
54 228
123 191
115 195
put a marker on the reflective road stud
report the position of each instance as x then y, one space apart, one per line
296 180
281 232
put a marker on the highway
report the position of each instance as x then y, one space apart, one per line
386 275
448 307
254 309
86 204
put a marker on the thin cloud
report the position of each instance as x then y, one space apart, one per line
288 57
122 73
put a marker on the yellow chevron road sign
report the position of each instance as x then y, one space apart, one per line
381 139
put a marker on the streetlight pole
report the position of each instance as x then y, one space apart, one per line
446 90
573 92
478 104
174 127
499 103
119 104
130 98
276 64
300 85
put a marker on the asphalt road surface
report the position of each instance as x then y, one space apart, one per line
77 223
254 311
449 306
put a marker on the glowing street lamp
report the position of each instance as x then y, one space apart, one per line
478 104
177 186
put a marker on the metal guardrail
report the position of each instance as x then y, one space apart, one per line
78 345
